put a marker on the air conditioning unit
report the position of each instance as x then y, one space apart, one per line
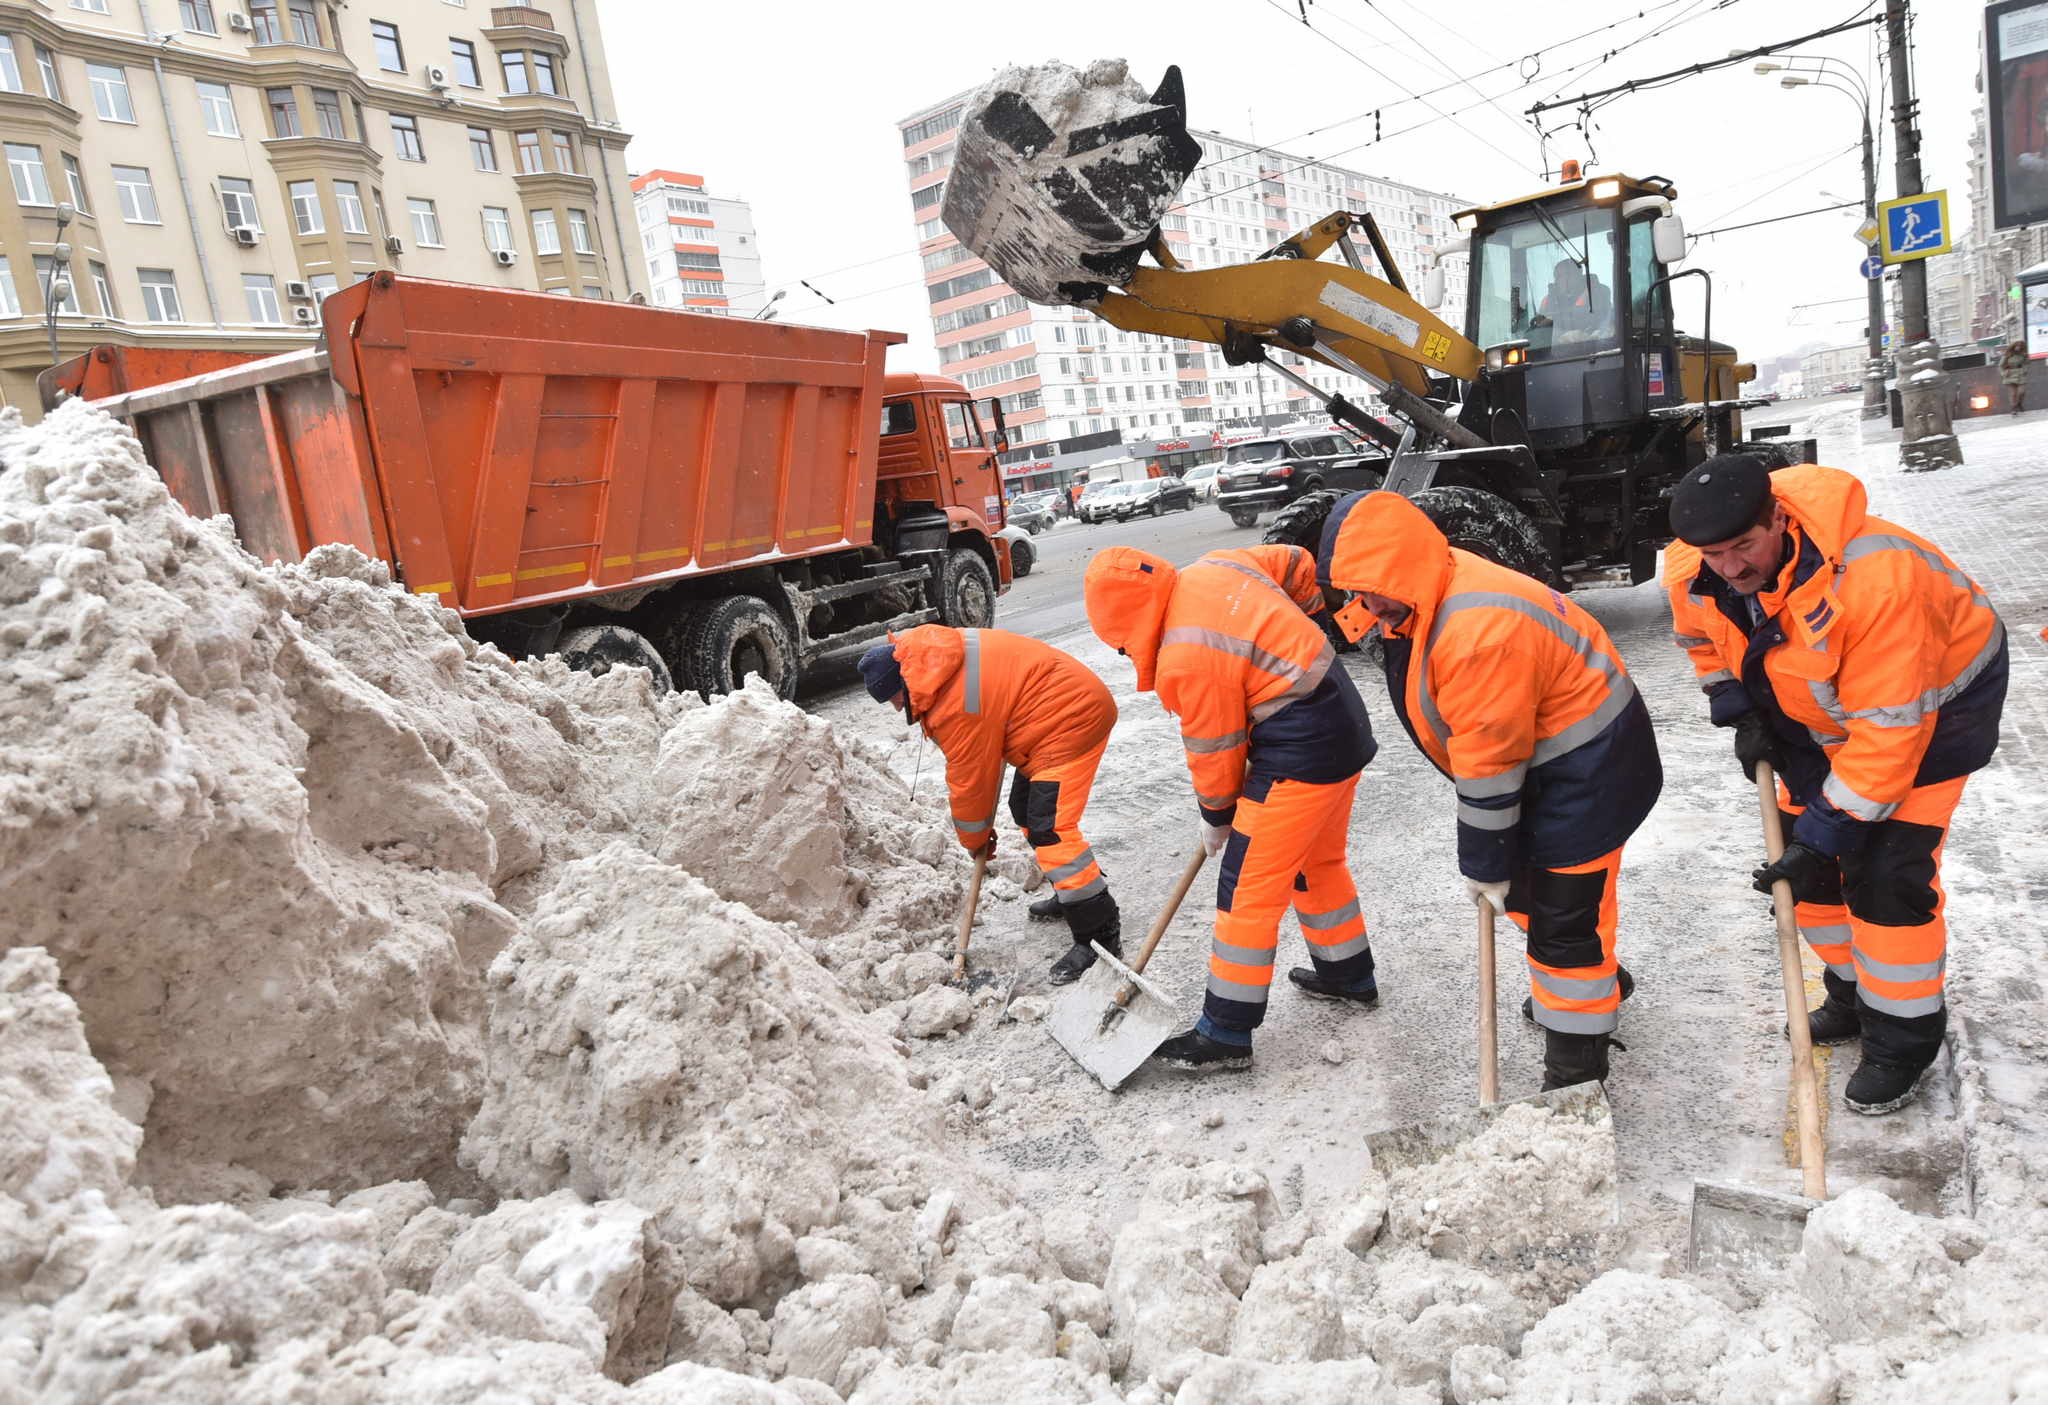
246 235
238 22
437 78
305 314
505 257
393 244
297 291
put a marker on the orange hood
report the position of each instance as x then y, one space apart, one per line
929 656
1828 504
1127 591
1382 543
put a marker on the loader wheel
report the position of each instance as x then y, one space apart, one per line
598 649
1243 517
736 636
967 592
1488 525
1300 523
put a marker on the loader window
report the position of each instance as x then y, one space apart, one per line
898 417
1550 282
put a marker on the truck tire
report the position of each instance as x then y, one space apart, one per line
733 637
1244 516
1300 523
967 592
1488 525
597 649
1023 556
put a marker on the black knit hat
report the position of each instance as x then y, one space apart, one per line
878 669
1720 499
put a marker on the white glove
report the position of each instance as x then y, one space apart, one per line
1494 895
1214 837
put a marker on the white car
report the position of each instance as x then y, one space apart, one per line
1023 553
1202 478
1094 505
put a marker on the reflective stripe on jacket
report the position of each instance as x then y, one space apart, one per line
1880 664
1508 688
1230 647
987 696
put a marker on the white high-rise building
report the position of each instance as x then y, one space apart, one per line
701 250
1064 374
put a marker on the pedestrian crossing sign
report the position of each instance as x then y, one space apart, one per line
1913 227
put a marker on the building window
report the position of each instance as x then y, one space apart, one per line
463 54
10 304
545 240
160 295
685 259
198 16
384 39
75 179
260 290
931 126
513 62
579 232
482 150
426 224
377 204
594 290
544 80
497 227
98 7
680 205
48 279
929 196
565 152
31 182
110 92
217 110
348 199
305 23
323 286
138 196
10 69
702 287
306 216
238 202
529 152
327 112
284 112
264 27
104 287
405 138
46 64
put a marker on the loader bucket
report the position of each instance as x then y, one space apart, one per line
1060 176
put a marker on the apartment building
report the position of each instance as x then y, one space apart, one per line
207 171
702 251
1064 375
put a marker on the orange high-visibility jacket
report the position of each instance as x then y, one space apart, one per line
1510 689
1880 664
987 697
1231 649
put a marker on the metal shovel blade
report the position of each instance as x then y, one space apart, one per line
1739 1229
1109 1040
1401 1148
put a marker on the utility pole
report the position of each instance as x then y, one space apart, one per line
1928 439
1874 407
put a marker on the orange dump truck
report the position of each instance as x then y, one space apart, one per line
703 496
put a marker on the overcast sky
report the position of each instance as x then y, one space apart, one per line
793 107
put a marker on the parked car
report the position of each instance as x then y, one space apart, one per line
1023 554
1203 478
1261 475
1150 497
1095 498
1033 513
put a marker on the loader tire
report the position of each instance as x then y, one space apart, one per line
967 592
733 637
1300 523
598 649
1488 525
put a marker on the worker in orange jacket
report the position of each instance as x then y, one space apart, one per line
1275 736
988 697
1521 699
1870 672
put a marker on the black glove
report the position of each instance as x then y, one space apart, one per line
1756 740
1800 866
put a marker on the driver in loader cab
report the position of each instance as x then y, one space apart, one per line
988 697
1275 736
1577 304
1521 699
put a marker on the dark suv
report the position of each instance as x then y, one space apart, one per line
1261 475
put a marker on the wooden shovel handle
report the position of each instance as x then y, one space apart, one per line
1489 1023
1805 1087
967 914
1165 917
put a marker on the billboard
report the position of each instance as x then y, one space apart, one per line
2016 99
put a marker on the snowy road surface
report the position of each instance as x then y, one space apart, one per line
1701 1090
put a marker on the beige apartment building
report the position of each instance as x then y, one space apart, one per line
225 164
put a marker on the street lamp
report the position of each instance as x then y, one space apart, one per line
768 308
57 287
1831 78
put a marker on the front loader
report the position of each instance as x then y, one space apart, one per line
1545 432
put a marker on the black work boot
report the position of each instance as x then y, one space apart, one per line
1046 909
1309 983
1835 1022
1876 1088
1093 919
1198 1053
1621 978
1570 1059
1080 956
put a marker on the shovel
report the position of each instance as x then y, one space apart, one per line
1401 1148
1737 1227
1112 1019
984 977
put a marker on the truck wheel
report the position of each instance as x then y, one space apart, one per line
1300 523
735 636
1243 517
597 649
967 593
1022 558
1488 525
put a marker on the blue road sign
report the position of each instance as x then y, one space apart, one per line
1913 227
1873 267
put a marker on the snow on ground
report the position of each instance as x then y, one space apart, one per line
385 1020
